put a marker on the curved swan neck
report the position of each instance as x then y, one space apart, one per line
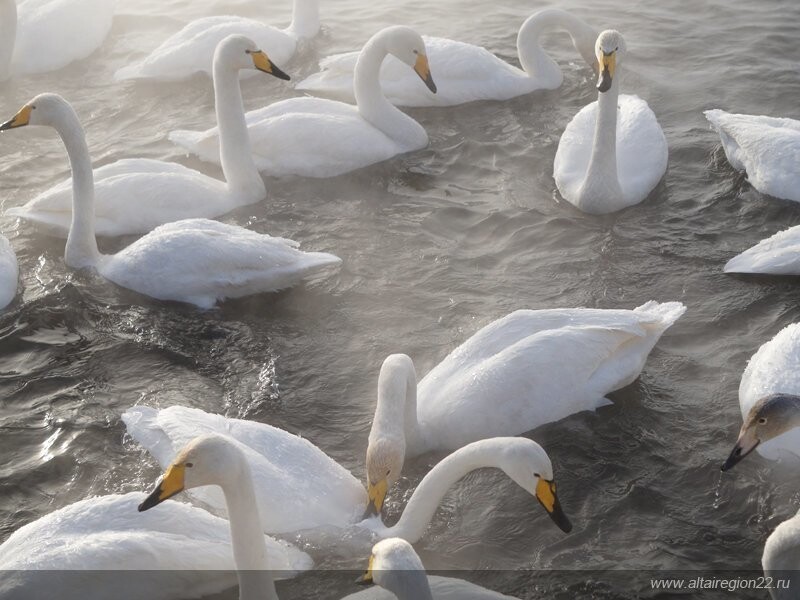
305 19
8 36
535 61
238 166
396 410
429 493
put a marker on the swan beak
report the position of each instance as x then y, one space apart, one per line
746 443
423 69
607 64
262 62
546 495
366 578
376 495
170 484
22 118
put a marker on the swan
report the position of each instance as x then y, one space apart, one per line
529 368
185 551
134 196
781 559
46 35
464 72
613 152
769 398
323 138
303 488
191 50
766 148
9 272
396 568
195 260
776 255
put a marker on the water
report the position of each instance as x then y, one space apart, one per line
435 245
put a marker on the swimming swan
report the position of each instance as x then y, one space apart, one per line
9 272
322 138
776 255
781 559
185 551
769 398
529 368
194 260
46 35
299 487
766 148
191 50
134 196
464 72
395 567
613 152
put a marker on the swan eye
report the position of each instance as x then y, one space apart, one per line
248 52
762 420
537 475
190 465
388 471
416 51
616 49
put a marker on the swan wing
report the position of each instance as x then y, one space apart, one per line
297 485
9 272
776 255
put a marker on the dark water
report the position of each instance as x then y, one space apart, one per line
435 245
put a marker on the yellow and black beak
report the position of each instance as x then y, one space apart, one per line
22 118
607 64
366 578
262 62
376 494
423 69
171 484
746 443
546 495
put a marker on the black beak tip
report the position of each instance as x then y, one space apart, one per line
6 126
276 72
431 85
605 81
363 581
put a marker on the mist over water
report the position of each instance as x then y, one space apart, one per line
435 244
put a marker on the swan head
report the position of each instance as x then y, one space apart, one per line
395 566
211 459
408 46
385 458
238 52
609 49
44 109
768 418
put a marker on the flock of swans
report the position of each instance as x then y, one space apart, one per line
256 481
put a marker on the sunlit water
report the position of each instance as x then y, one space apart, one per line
435 245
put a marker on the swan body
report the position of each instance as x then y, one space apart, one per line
9 272
47 35
776 255
191 50
613 152
464 72
134 196
781 559
312 137
185 551
766 148
195 260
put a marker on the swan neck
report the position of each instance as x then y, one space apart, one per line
8 36
396 410
409 585
236 158
305 19
603 162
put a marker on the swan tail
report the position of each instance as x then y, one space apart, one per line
130 72
317 261
142 425
663 314
601 402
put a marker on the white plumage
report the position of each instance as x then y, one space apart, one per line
9 272
781 559
776 255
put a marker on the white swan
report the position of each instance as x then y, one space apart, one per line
396 568
46 35
613 152
300 487
9 272
769 398
464 72
781 559
322 138
766 148
529 368
194 260
185 551
191 50
776 255
134 196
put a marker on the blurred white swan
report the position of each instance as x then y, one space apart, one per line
134 196
781 559
613 152
46 35
191 50
776 255
312 137
766 148
464 72
9 272
194 260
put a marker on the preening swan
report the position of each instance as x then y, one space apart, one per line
769 398
613 152
46 35
766 148
299 487
322 138
194 260
185 551
529 368
464 72
396 568
781 559
191 50
9 272
776 255
134 196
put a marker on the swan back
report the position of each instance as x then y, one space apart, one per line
781 558
776 255
9 272
8 35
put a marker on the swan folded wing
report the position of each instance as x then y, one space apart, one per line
777 255
642 152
